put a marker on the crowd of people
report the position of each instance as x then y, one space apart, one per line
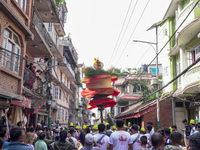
100 137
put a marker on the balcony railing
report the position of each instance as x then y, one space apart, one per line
69 67
37 21
33 82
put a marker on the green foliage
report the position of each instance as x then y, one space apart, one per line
90 72
59 3
142 86
163 94
153 96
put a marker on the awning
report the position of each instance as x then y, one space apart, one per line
25 103
36 109
138 108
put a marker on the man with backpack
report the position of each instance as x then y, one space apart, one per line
101 139
135 138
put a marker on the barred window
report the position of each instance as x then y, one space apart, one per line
10 56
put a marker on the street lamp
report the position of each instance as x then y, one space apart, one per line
155 25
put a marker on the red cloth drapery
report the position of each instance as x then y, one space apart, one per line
105 102
91 92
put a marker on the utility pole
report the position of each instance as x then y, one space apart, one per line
158 103
49 90
156 25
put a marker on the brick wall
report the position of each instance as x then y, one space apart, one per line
11 81
165 115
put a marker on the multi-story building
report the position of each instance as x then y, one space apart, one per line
15 18
64 83
182 50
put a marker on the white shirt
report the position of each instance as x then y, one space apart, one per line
104 142
148 135
120 140
152 132
93 122
137 144
74 140
192 131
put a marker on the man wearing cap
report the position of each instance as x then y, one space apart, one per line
192 126
89 141
109 120
94 129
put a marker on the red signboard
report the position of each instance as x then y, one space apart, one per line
25 103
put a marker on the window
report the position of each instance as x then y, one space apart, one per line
197 52
55 64
60 95
22 4
10 58
179 104
151 70
64 96
66 115
56 39
50 27
64 17
62 114
60 76
59 113
178 71
55 92
189 58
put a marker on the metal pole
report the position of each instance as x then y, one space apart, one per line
158 106
49 96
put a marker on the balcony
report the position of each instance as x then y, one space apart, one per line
182 15
47 10
33 85
66 88
68 51
42 43
190 84
67 69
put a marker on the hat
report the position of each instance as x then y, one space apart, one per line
89 138
114 127
170 129
39 124
124 125
192 121
138 127
108 113
84 127
107 124
77 127
129 122
142 129
95 127
71 124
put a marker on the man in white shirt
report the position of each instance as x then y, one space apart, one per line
192 126
72 132
135 138
93 120
101 139
152 130
120 140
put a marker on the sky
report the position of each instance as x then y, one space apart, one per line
95 26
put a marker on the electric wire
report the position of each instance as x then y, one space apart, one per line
114 54
132 32
194 63
120 32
